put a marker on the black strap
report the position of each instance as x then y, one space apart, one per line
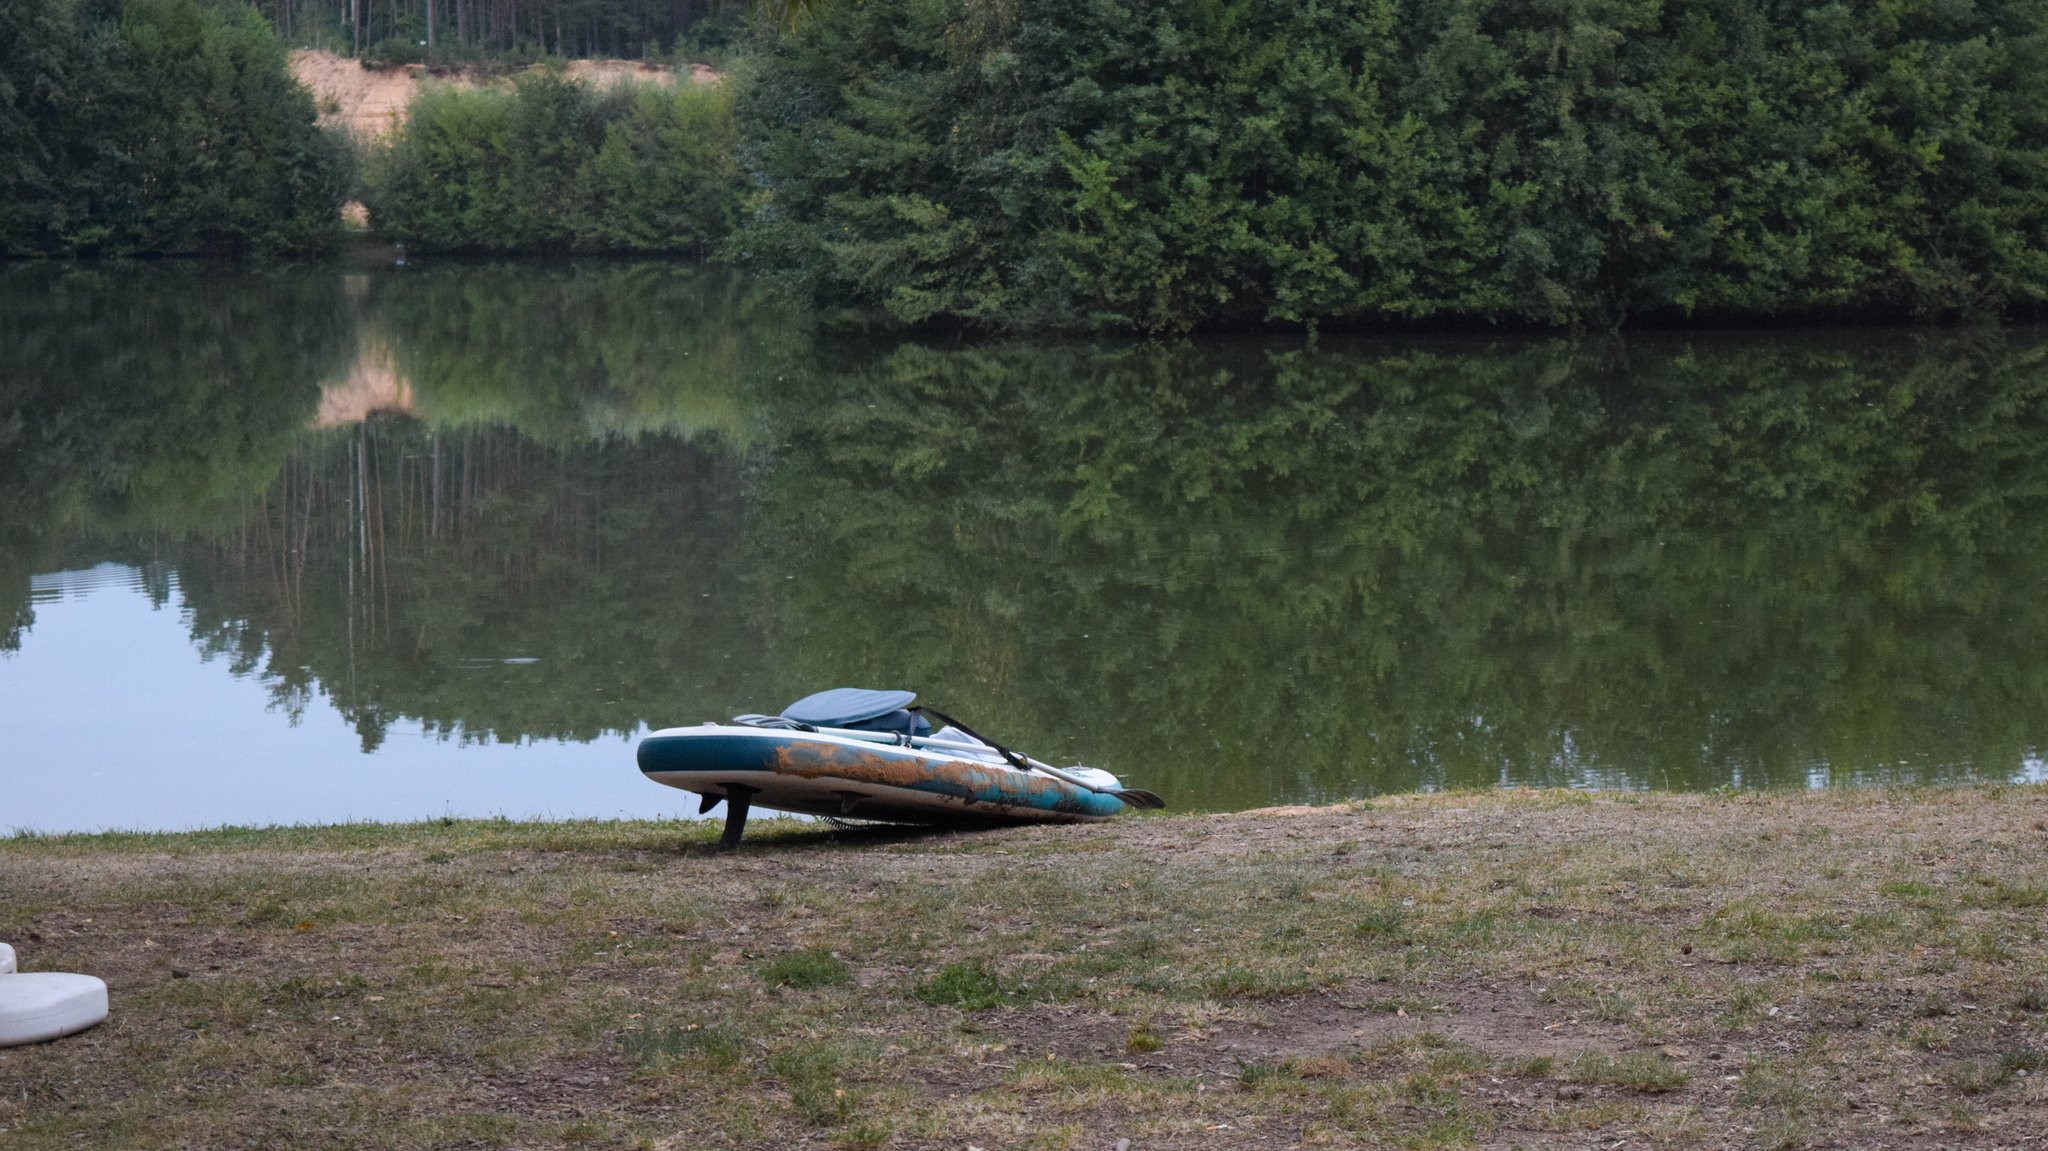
1015 760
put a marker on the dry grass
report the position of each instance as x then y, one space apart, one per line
1469 970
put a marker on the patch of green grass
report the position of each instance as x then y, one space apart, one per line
583 1132
811 1073
1977 1076
1592 1116
1783 1101
479 1129
718 1046
1448 1134
1911 893
1143 1041
1877 926
1746 931
213 1005
1083 1084
1636 1071
969 985
2032 999
1935 1006
1354 1106
1927 1037
1240 982
1744 1004
1257 1074
1400 1004
810 968
1438 1069
1384 922
2027 1059
2016 896
301 989
1318 1067
1617 1007
1478 929
863 1132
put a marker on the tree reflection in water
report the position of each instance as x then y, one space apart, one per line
1237 571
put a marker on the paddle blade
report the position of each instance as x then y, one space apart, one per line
1138 797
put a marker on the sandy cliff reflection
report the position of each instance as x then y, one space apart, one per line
371 387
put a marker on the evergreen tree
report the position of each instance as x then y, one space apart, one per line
1159 164
38 58
158 127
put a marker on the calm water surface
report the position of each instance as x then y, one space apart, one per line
444 540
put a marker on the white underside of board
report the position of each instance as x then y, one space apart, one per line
40 1005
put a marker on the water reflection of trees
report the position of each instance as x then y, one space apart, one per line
550 507
576 351
480 583
1238 572
145 400
1259 573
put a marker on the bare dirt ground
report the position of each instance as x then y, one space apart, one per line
1501 970
371 103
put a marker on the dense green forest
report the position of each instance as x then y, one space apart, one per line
1162 164
407 30
158 127
1114 165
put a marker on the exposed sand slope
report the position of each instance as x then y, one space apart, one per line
372 103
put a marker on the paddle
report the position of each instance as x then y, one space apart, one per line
1132 796
1135 797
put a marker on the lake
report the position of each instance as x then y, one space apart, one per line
399 543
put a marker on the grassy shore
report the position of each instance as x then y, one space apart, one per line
1514 969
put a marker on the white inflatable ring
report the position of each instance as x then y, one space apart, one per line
6 959
43 1005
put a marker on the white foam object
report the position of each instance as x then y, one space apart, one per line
6 959
40 1005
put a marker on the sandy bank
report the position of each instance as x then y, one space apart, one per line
372 103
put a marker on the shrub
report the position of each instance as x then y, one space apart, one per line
553 165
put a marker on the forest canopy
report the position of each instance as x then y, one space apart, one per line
1164 164
1110 165
160 127
401 31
